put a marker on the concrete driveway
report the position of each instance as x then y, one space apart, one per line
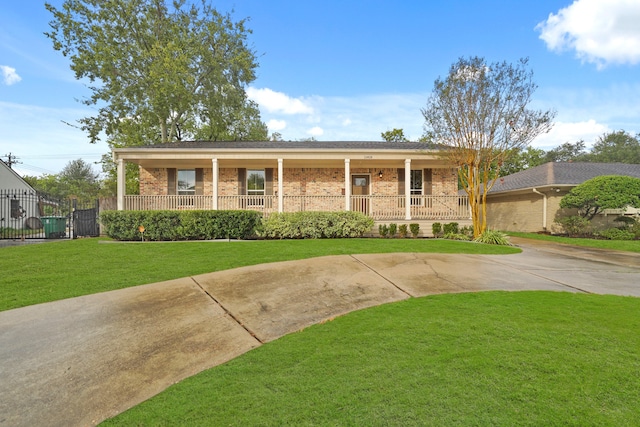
79 361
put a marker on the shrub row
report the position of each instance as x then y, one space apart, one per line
391 230
577 226
315 225
180 225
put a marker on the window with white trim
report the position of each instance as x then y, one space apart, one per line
256 186
186 182
416 186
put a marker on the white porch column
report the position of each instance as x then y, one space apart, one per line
280 185
347 184
214 202
407 189
120 184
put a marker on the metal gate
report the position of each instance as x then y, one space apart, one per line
85 220
26 214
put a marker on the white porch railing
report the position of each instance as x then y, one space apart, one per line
377 207
422 207
171 203
264 204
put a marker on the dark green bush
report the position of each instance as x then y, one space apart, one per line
393 230
180 225
402 230
450 228
315 225
415 229
436 229
617 234
383 230
575 225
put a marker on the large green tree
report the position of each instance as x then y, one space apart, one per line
77 180
480 113
568 152
603 192
159 71
395 135
616 147
522 159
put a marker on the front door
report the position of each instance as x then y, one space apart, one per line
360 193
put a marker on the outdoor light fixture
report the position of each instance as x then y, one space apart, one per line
380 174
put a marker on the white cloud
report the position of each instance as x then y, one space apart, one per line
360 118
278 102
600 32
582 114
315 131
9 75
276 125
562 132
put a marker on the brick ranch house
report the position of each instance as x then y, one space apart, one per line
529 200
391 182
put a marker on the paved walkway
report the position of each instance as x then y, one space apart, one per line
79 361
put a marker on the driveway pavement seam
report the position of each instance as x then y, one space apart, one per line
227 312
386 279
541 276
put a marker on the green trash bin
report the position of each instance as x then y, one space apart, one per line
55 227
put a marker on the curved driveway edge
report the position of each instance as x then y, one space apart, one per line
79 361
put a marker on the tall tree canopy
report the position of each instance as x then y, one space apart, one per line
567 152
77 179
479 113
616 147
395 135
159 71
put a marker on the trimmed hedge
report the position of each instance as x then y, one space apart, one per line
180 225
316 225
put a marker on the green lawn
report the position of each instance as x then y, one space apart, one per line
38 273
620 245
484 359
491 358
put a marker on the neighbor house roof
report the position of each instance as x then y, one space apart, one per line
11 180
561 174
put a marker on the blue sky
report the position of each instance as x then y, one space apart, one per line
349 70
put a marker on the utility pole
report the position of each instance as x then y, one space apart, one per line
11 159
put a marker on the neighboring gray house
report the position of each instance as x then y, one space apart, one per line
18 200
529 200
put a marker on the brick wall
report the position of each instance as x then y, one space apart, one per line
304 181
522 212
153 182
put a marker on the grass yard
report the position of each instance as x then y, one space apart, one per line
483 359
620 245
38 273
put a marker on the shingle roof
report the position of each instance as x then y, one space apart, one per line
561 173
284 145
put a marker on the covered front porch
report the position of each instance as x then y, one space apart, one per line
386 181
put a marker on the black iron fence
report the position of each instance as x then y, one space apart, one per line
27 214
